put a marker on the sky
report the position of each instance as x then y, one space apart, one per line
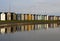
49 7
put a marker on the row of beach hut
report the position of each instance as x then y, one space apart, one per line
13 16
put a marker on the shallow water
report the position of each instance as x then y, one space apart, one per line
32 32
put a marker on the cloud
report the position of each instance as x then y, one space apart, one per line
31 6
41 7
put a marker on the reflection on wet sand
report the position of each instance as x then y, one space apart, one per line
41 26
28 27
52 25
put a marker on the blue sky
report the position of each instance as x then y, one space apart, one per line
31 6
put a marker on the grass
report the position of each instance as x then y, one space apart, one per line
36 21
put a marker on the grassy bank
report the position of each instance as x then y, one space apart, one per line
32 21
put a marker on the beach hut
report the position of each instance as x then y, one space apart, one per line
35 16
18 16
0 15
22 16
58 17
8 16
3 16
29 17
44 17
39 17
32 16
26 16
14 16
51 17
